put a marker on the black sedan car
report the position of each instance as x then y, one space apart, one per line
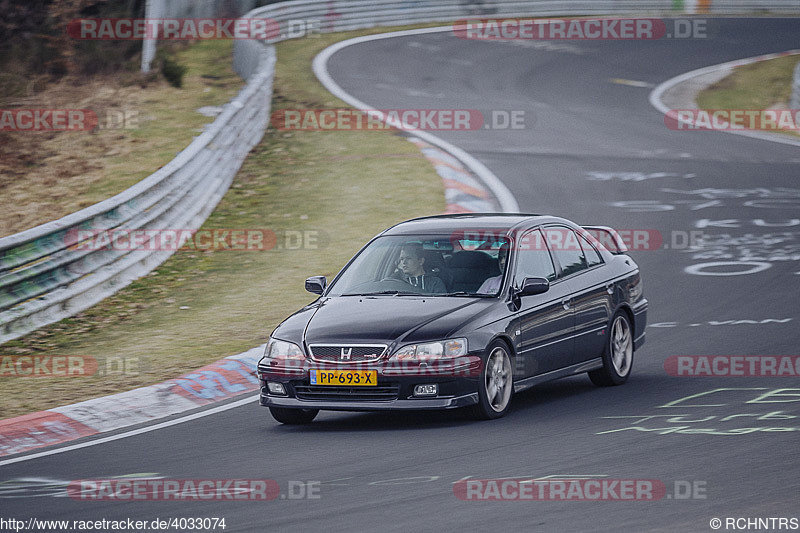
460 310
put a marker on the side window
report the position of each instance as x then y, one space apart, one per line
566 249
533 258
592 256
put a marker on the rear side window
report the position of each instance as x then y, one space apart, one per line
533 258
566 248
592 256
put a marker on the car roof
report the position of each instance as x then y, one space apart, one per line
469 221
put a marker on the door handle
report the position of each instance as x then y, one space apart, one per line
566 303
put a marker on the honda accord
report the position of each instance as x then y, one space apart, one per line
455 311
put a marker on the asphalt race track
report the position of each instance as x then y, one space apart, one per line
595 151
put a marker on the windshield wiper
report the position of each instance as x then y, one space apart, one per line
396 293
464 293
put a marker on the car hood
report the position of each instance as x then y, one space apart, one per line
385 319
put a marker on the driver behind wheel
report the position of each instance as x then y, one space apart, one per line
411 265
492 285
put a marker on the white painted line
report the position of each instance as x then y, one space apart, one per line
630 83
320 65
162 425
145 404
658 92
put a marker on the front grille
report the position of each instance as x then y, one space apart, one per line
316 392
343 353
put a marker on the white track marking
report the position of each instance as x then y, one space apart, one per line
658 92
320 65
162 425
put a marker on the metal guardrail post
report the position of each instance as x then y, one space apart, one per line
152 10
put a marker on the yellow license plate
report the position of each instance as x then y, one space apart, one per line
359 378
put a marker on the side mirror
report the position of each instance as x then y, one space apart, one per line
531 286
316 284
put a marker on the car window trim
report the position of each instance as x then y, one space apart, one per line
582 240
557 262
556 267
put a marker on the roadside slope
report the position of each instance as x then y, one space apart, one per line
335 188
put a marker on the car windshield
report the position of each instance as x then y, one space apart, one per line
437 265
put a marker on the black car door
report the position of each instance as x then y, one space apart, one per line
544 324
580 270
592 303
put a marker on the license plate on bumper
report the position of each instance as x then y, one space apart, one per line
358 378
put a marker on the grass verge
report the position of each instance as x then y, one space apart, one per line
340 187
761 85
46 175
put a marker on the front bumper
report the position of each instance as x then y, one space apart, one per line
639 323
457 387
343 405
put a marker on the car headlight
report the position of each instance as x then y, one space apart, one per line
282 350
432 350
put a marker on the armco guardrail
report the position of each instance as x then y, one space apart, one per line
45 273
794 103
44 276
352 15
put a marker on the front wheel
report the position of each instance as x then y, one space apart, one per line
290 416
618 354
496 383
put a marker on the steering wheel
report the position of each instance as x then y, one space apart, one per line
389 284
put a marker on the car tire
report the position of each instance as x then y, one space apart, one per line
496 383
293 417
618 353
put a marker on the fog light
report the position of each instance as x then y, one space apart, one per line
276 388
426 390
